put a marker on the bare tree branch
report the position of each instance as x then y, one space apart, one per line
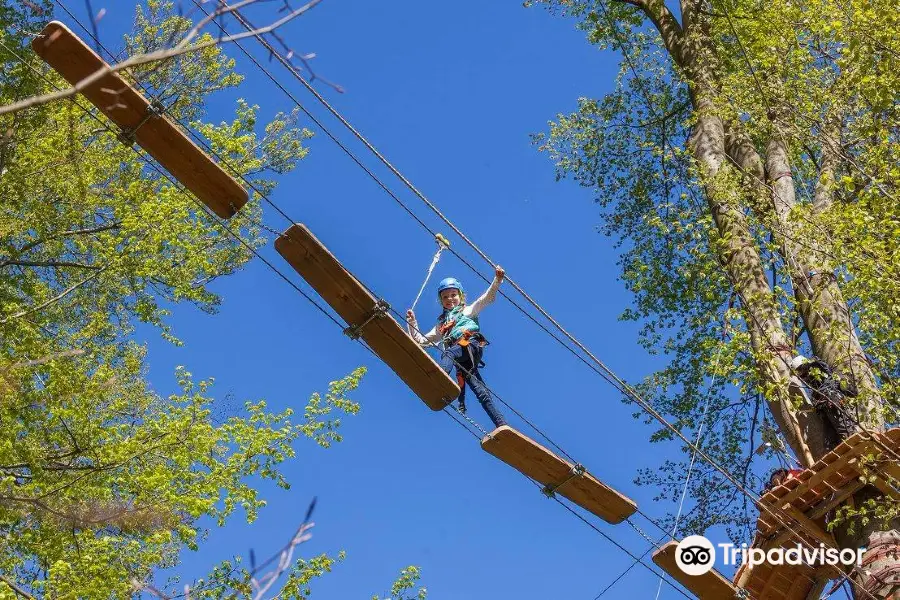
181 48
38 242
19 591
666 23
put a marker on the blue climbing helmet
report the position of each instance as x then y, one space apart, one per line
450 283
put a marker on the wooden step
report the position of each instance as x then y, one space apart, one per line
712 585
545 467
128 108
353 302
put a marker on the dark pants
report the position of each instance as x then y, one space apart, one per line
466 359
839 424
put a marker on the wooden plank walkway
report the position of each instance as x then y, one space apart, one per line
360 309
807 498
545 467
131 111
712 585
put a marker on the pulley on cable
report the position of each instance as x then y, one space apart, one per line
139 119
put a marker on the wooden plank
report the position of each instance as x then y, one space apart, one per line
743 576
764 593
893 438
886 488
818 586
709 586
892 469
827 471
818 513
542 465
59 47
353 302
810 527
770 582
800 587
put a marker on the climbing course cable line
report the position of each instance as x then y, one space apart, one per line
230 231
622 386
639 81
287 217
623 48
796 112
384 187
690 470
576 340
265 197
149 162
233 234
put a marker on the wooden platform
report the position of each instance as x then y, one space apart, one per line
127 108
792 582
709 586
828 483
803 502
542 465
353 302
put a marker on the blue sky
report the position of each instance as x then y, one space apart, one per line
450 93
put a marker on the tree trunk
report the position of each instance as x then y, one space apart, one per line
880 574
819 299
742 263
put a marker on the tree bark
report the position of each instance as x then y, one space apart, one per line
880 576
742 263
820 302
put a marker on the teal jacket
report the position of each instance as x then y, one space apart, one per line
465 318
453 323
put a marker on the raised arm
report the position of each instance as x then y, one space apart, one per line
488 296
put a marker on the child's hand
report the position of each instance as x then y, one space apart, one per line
499 273
410 316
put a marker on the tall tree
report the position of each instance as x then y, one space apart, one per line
747 163
102 479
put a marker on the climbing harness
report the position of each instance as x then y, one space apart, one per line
443 244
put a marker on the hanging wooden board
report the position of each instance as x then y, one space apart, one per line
128 108
709 586
542 465
353 302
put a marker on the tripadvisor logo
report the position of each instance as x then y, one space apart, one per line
695 555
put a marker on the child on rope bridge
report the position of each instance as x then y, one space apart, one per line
462 342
